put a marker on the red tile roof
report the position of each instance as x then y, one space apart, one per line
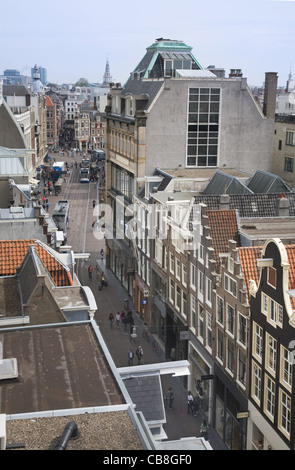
223 227
12 253
248 258
49 101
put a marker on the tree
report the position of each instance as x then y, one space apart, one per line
82 82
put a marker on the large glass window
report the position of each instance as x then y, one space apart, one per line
203 127
122 182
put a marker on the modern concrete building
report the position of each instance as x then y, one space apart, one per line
173 113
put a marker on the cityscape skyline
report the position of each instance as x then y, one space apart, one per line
256 38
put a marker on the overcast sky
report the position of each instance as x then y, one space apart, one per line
74 39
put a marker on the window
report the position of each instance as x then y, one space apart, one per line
193 312
230 318
201 321
242 361
272 310
184 303
256 382
177 303
272 276
230 285
177 274
201 253
289 164
184 275
269 397
208 291
242 329
171 263
203 127
220 338
193 276
171 291
286 367
290 138
201 282
257 341
209 330
284 413
220 310
271 353
230 356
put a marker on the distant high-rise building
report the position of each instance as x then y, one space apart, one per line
42 72
13 77
107 78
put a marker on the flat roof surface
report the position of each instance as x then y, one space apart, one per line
97 431
60 367
268 227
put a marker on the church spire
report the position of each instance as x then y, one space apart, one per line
107 78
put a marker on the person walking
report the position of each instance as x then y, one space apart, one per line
204 430
190 403
130 357
169 398
111 319
117 319
139 354
101 254
90 269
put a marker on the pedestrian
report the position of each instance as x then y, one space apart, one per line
130 358
122 316
47 205
125 323
190 403
117 319
139 354
101 254
93 203
90 269
169 398
111 319
204 429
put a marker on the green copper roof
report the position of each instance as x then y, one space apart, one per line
169 44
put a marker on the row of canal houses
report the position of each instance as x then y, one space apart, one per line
215 277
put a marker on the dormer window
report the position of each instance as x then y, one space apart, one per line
129 106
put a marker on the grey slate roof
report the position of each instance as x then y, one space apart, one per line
146 392
263 182
249 205
222 183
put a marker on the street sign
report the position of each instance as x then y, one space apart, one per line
207 377
183 335
243 414
144 301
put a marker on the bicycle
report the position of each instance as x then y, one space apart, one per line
146 336
155 348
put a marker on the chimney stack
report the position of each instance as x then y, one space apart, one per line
270 94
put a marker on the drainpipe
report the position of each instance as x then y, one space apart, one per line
70 431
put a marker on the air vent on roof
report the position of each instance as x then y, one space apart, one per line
8 369
16 210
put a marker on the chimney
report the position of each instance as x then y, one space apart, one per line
224 202
270 93
282 206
